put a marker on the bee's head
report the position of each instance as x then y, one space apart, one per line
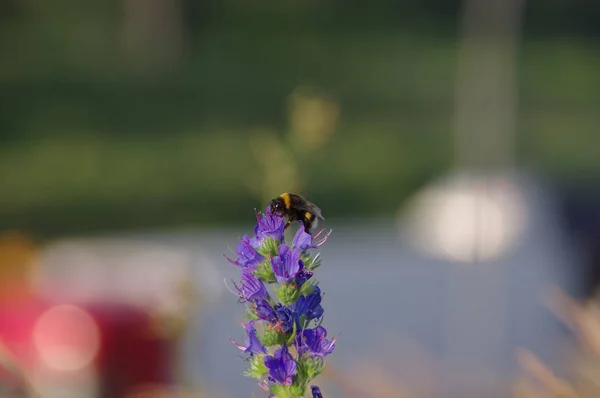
277 206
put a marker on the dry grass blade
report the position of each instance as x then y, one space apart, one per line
551 383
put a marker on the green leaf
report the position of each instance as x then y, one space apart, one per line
310 367
257 368
306 257
264 271
288 293
250 314
283 391
298 389
290 339
315 264
307 288
310 262
302 372
272 337
268 248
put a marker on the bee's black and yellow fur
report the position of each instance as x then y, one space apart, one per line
294 207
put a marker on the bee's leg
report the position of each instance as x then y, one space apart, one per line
307 225
308 221
287 224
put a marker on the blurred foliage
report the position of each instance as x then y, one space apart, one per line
581 378
93 138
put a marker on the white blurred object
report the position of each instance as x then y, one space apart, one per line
140 273
67 338
132 272
466 217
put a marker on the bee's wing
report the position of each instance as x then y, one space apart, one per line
301 203
314 209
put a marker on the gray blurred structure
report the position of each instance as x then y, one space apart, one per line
486 87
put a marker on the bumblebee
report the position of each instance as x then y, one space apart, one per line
295 207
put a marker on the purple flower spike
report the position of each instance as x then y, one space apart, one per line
282 366
303 240
287 264
252 288
290 314
269 226
315 342
253 345
316 392
247 256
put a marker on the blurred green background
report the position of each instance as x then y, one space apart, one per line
128 114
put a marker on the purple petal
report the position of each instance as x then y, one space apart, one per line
323 346
289 363
252 288
315 343
286 317
268 225
303 240
265 311
247 255
310 306
253 345
327 347
287 264
320 333
282 366
316 392
302 276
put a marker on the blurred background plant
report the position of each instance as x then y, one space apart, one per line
312 118
452 145
581 378
159 115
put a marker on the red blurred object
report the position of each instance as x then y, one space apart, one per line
126 355
131 354
73 349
